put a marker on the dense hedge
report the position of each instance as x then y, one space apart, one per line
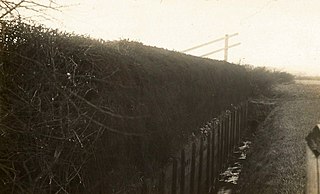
262 79
80 115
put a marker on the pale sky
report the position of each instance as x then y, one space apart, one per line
277 33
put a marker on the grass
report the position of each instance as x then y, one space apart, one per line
277 160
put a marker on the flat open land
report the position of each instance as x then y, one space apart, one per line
276 162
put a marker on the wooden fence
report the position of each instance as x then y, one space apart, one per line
197 167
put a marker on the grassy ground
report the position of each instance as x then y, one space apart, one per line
276 162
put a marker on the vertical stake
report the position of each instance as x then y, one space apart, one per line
226 45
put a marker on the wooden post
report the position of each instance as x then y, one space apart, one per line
209 162
226 47
177 175
200 166
229 135
147 187
239 124
215 151
235 126
213 157
162 182
197 166
204 166
219 143
222 141
174 176
243 117
313 161
233 129
227 138
186 167
246 115
183 164
193 168
167 179
313 164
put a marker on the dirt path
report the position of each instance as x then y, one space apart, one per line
276 162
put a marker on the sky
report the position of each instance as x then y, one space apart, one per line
281 34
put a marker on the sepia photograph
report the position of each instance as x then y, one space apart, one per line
159 97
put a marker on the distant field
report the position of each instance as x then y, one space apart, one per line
307 77
308 82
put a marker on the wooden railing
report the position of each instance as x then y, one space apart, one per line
197 167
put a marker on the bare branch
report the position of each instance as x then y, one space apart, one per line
34 4
114 130
11 9
105 111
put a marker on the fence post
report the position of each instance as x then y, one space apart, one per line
182 179
227 137
242 118
226 47
197 165
147 186
193 167
162 177
220 143
167 179
233 128
313 169
204 165
225 148
186 164
200 166
215 153
213 158
230 133
313 161
236 120
209 162
239 124
246 113
174 176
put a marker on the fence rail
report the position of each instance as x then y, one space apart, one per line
225 49
197 167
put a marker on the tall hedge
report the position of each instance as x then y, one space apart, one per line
85 115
